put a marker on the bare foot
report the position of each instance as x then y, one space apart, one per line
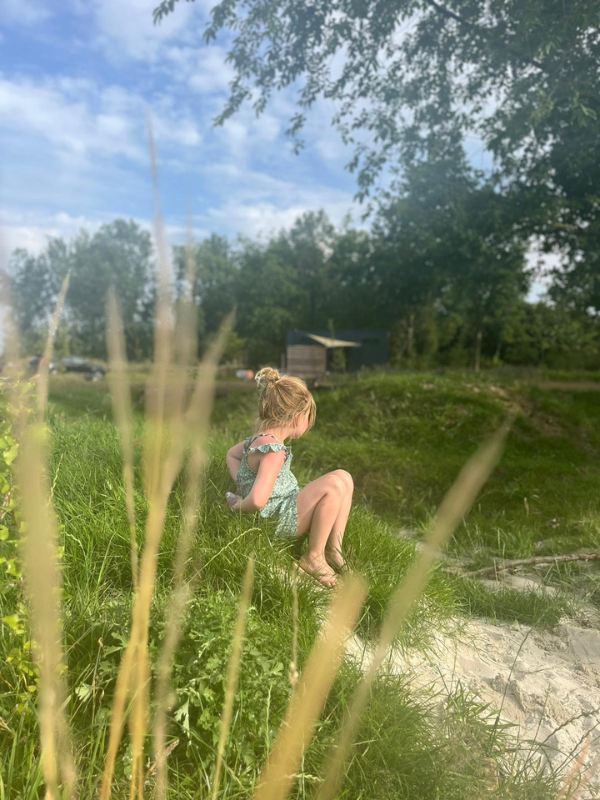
319 569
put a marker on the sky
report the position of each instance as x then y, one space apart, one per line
78 81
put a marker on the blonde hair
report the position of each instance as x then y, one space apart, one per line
281 399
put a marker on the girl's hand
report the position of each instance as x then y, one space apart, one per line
233 501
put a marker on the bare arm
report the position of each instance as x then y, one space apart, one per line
234 459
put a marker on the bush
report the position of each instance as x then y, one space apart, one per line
17 670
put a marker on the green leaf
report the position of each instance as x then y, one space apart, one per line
14 623
83 691
10 455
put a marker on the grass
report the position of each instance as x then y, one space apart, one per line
404 438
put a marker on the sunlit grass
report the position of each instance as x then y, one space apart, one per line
403 749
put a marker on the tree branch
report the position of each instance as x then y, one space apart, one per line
503 566
446 12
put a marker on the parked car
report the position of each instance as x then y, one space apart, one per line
91 372
34 365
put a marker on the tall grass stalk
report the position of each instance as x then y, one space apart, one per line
311 691
196 424
185 346
40 556
169 427
160 453
453 509
567 790
233 672
294 674
121 401
41 570
160 470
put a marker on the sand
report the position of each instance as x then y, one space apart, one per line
548 684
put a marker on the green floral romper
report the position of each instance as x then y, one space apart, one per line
282 502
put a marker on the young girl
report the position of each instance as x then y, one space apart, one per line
260 465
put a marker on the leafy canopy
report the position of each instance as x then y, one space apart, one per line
409 78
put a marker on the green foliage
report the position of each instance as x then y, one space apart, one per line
17 670
199 678
119 254
530 608
443 269
406 748
412 82
338 357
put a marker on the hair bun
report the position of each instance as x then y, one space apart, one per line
266 378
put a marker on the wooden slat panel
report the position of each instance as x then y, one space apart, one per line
306 361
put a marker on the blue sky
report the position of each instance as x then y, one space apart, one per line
77 80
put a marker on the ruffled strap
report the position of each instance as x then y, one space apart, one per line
266 448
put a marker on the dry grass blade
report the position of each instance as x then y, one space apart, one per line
294 674
233 672
158 453
575 773
135 669
164 450
311 692
12 344
44 367
194 426
41 570
185 345
454 507
157 382
121 399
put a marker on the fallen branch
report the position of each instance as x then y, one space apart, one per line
503 566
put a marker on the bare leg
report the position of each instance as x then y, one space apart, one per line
318 508
333 548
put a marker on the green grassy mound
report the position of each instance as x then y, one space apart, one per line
403 438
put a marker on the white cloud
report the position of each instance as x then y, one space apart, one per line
331 147
244 133
62 114
82 120
260 220
256 204
203 68
31 231
126 27
17 12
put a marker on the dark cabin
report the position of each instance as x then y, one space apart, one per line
308 353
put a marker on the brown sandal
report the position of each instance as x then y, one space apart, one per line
329 581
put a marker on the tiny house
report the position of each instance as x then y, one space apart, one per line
311 354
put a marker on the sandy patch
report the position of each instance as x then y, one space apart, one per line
548 684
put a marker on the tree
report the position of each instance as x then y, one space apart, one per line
355 298
215 281
34 283
305 249
119 254
268 297
409 80
552 336
447 246
577 281
415 75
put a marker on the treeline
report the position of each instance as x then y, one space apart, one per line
443 268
